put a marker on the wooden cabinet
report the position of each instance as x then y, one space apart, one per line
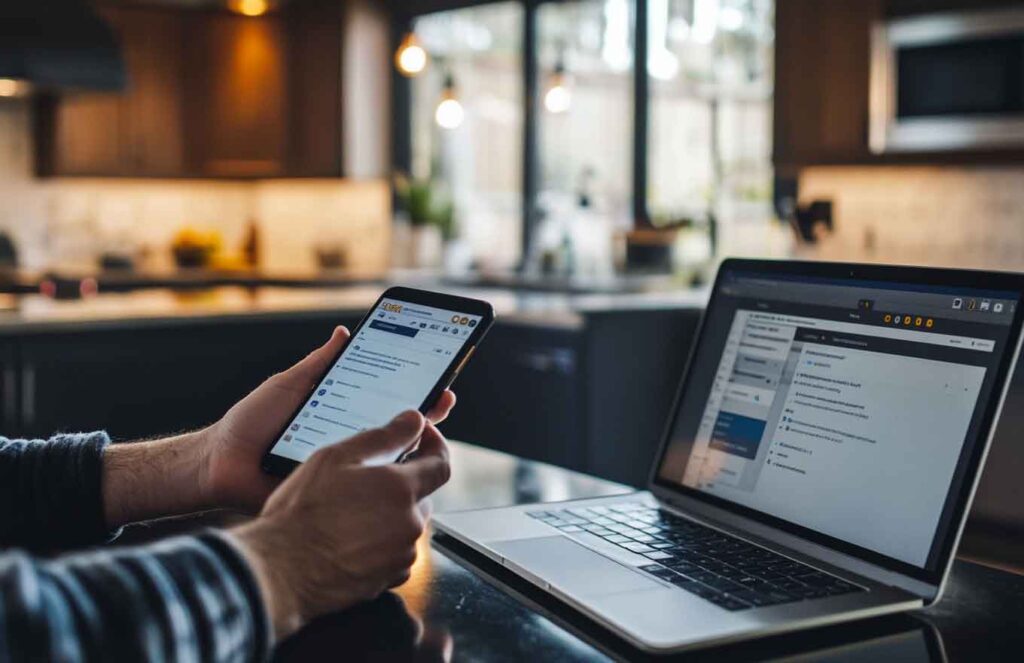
153 104
136 132
821 81
211 94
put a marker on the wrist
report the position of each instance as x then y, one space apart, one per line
146 480
267 556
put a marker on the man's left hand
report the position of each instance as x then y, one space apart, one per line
234 446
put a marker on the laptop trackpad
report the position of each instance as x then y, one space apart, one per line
567 565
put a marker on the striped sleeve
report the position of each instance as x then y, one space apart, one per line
192 598
50 492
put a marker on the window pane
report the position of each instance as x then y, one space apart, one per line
585 57
479 161
710 68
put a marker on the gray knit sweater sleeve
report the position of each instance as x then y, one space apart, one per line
191 598
50 491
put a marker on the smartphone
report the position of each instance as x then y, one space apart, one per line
403 355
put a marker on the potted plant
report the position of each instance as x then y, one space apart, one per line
430 215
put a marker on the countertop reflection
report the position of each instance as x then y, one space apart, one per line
461 606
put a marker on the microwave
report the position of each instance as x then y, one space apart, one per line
948 82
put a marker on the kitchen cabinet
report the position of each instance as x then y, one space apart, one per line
822 77
238 115
210 94
822 82
145 382
523 393
136 132
592 396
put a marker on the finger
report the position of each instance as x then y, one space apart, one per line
442 408
396 436
313 365
426 508
430 469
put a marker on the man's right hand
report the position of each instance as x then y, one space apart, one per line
338 532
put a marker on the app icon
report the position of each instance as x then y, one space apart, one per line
918 321
888 317
455 330
435 326
958 303
287 438
997 307
463 320
472 323
295 427
906 319
321 392
985 305
314 403
897 319
455 319
929 323
305 414
445 329
972 304
328 382
423 325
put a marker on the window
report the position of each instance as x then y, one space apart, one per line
709 148
696 147
476 157
585 123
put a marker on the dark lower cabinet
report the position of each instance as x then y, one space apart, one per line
591 397
522 393
146 382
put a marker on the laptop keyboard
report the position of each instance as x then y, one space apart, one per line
723 569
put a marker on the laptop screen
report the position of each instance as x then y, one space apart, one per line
846 407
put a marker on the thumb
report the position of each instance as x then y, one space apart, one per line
389 440
305 373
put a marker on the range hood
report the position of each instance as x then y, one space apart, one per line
57 45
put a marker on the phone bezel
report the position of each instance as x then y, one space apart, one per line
280 466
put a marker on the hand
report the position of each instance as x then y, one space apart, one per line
338 532
234 446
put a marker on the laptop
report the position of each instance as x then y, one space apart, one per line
817 467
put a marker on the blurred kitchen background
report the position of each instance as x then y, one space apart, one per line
203 187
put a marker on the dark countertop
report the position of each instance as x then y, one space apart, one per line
449 612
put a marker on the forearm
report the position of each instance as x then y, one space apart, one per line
153 479
191 598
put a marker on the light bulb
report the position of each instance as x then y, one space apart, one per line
250 7
449 114
558 98
410 58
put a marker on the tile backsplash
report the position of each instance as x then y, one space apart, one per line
944 216
69 221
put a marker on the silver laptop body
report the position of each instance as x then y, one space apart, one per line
789 491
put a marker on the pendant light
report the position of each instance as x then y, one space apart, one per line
558 97
449 113
410 58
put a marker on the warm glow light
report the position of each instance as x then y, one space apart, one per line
410 58
250 7
10 87
449 114
558 98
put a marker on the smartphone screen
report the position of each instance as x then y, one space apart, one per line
393 363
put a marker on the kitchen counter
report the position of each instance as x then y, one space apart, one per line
146 308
